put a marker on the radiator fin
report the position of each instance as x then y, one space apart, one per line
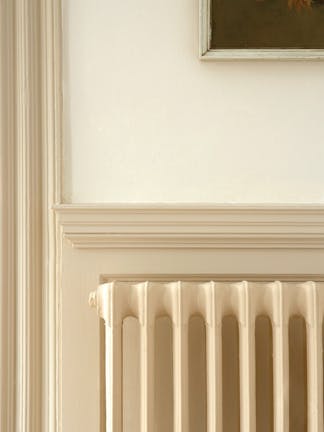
213 301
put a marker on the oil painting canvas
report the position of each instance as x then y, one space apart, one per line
267 24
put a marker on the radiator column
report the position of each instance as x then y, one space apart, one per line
213 301
147 322
281 361
247 360
180 355
214 360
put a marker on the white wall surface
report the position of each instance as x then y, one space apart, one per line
147 121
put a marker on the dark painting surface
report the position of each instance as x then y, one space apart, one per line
267 24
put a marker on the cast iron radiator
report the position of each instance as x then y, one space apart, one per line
279 301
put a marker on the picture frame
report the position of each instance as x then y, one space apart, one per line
208 52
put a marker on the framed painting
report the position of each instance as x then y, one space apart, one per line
262 29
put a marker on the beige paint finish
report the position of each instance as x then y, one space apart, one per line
58 344
147 121
297 359
88 256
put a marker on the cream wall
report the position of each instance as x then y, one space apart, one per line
146 120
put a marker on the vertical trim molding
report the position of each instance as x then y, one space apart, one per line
8 262
26 196
51 54
29 216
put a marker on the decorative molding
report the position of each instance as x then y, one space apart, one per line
29 215
192 226
96 260
8 233
30 145
51 60
221 277
207 53
51 55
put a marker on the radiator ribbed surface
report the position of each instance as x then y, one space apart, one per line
213 301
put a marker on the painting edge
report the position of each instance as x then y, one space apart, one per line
206 53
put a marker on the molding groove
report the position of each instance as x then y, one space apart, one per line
8 234
29 216
189 226
26 197
51 60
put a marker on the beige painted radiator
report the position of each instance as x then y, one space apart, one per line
282 304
